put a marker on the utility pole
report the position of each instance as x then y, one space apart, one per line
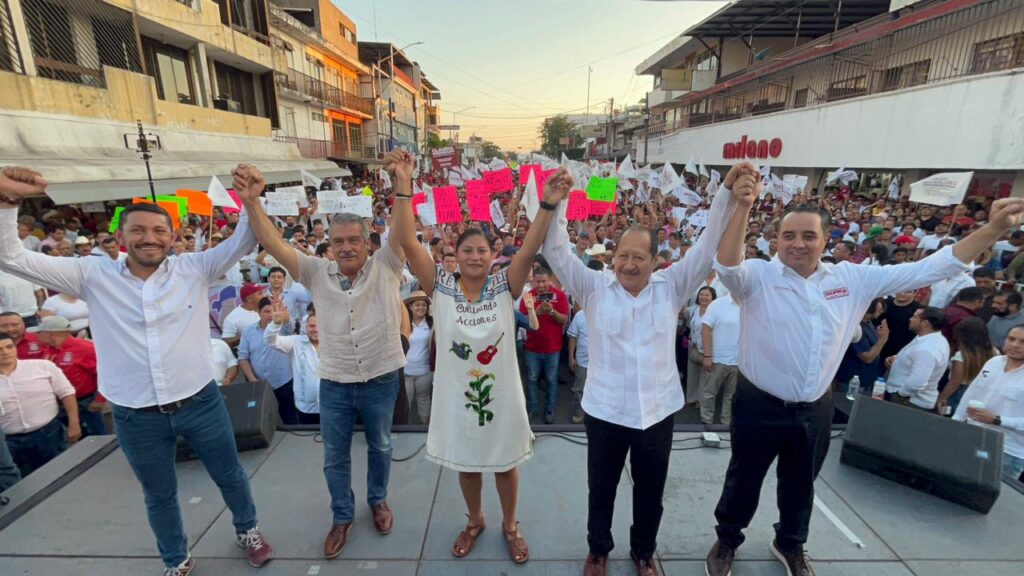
647 128
587 121
611 127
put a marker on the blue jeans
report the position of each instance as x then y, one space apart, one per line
340 404
535 363
9 473
32 450
149 441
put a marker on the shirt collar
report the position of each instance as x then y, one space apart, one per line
824 268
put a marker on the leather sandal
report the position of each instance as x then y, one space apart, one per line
466 540
517 548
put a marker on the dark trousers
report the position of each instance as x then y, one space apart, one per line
92 422
649 450
307 419
764 427
286 404
32 450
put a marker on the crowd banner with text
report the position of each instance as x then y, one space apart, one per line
497 216
299 192
282 204
499 180
477 186
943 189
601 189
446 205
358 205
479 204
446 157
329 201
198 202
579 206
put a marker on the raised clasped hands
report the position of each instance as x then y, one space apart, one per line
17 182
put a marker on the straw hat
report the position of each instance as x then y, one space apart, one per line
418 295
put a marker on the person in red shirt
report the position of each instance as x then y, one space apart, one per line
29 347
76 358
544 345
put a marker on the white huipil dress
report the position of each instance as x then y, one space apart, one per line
478 420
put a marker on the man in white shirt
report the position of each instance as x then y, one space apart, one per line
720 338
29 239
225 365
243 316
914 373
633 386
946 289
21 297
932 241
579 359
149 316
783 403
999 387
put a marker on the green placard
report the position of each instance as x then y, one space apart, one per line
116 220
601 189
181 201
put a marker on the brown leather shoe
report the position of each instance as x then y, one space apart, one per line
383 519
336 540
644 567
595 566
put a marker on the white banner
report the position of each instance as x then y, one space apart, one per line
299 192
282 204
944 189
687 196
329 201
358 205
841 175
699 219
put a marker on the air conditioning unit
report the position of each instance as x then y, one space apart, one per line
227 104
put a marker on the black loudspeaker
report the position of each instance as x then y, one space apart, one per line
252 408
955 461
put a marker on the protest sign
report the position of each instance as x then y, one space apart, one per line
699 219
542 179
329 201
282 204
310 180
497 216
115 221
601 189
525 170
477 186
94 207
579 206
841 175
687 196
446 205
198 202
499 180
478 202
943 189
418 199
299 192
426 211
358 205
598 208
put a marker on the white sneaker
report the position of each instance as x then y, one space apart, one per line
183 569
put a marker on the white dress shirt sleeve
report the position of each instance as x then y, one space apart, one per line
741 278
215 262
885 280
272 336
66 275
687 274
577 280
59 382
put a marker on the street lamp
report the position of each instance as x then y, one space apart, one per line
453 119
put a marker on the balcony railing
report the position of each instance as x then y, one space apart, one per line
986 37
320 90
310 148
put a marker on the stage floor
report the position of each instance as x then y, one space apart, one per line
862 525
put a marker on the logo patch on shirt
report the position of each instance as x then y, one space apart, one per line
33 347
836 293
68 358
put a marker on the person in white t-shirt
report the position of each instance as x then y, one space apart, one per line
579 359
934 241
75 310
242 316
419 377
225 365
944 291
720 337
914 373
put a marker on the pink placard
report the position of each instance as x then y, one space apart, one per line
524 173
418 199
446 205
598 208
499 180
477 186
542 179
479 203
238 202
579 206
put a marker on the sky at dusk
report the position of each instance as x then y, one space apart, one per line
516 63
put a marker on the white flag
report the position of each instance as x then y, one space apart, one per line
944 189
686 196
623 183
497 164
455 176
426 211
669 179
702 170
691 167
894 188
310 180
654 180
219 195
497 218
385 179
565 161
530 200
626 168
842 175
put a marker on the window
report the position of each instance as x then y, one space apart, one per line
999 54
905 76
708 62
235 86
318 117
289 121
346 33
848 88
51 40
800 98
171 68
339 133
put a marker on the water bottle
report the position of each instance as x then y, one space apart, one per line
878 390
853 388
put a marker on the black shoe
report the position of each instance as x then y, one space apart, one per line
719 561
796 564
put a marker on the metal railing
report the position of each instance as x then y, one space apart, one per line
320 90
72 40
311 148
987 37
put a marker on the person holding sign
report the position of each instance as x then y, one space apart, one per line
478 419
632 388
149 316
783 407
360 350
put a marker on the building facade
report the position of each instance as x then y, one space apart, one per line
900 88
79 74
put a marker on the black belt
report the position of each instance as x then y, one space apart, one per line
754 389
171 407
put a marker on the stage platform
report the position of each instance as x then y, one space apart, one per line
862 525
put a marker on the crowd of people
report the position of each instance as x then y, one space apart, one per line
472 328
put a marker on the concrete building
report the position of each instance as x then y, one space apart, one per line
318 75
78 74
886 88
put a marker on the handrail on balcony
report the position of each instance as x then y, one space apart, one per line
312 148
327 93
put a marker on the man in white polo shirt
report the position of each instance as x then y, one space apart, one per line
916 370
783 403
720 337
999 388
